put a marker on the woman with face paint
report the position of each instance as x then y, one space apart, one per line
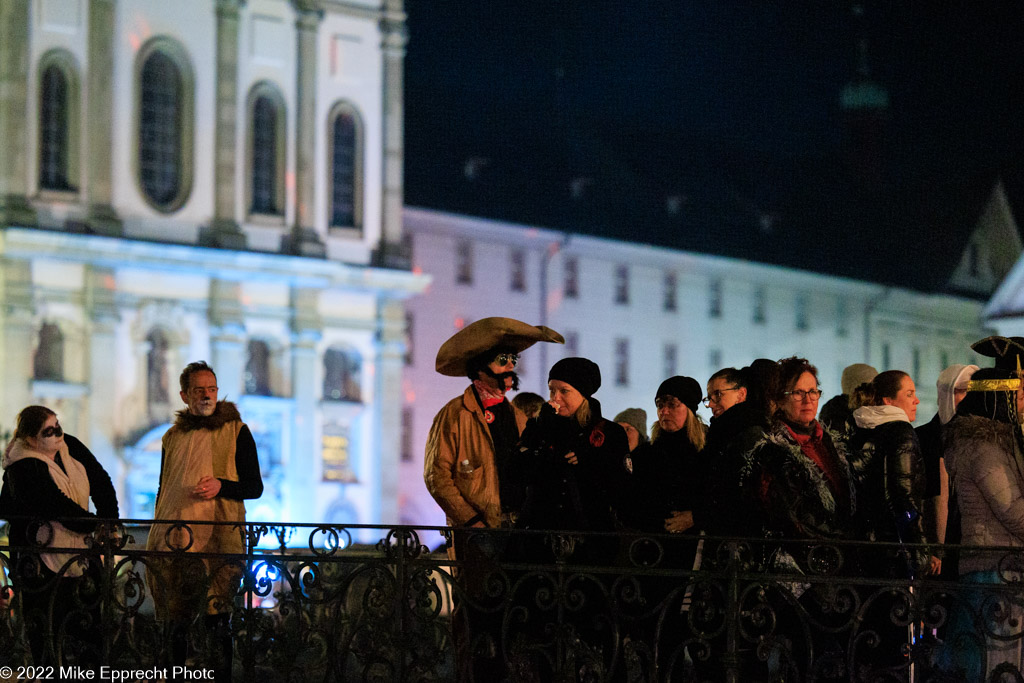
49 478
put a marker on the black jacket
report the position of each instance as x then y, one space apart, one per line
30 492
726 506
667 476
889 473
571 497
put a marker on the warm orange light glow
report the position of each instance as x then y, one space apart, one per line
109 282
460 323
554 300
410 396
416 270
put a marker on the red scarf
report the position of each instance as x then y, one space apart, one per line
813 446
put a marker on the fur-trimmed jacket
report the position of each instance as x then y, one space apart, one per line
986 468
799 498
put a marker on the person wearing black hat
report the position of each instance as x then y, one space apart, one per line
574 462
984 453
666 481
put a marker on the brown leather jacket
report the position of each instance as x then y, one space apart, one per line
459 468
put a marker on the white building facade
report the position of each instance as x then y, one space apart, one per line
645 313
219 180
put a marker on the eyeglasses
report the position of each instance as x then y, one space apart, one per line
716 396
55 430
506 358
800 394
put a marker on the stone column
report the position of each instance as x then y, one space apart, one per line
99 121
14 68
392 251
227 338
388 409
17 339
101 373
304 240
224 230
302 461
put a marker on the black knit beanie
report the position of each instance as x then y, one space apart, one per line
581 374
686 389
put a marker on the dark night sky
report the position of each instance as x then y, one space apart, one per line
732 105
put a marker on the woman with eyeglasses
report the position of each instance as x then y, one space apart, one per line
806 486
886 456
49 478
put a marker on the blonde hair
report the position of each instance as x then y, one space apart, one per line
583 414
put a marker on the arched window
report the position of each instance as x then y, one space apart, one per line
342 370
54 142
346 160
266 150
165 116
157 383
257 369
48 363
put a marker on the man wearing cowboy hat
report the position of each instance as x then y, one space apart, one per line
473 437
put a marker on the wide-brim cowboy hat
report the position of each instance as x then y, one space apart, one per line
485 334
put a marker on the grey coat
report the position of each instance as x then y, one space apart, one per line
987 471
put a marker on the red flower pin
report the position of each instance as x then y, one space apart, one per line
596 438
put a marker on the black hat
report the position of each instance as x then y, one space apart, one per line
1008 351
686 389
582 374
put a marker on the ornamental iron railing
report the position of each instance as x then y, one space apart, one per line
309 603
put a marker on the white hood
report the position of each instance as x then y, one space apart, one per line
869 417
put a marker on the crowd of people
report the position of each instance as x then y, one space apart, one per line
769 465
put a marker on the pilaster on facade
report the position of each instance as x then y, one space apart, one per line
392 251
390 362
101 218
224 230
14 70
100 288
17 337
227 336
304 239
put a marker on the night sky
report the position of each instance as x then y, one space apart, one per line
733 106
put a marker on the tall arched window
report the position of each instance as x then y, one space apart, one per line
266 150
346 167
54 152
165 115
257 369
157 383
48 363
342 370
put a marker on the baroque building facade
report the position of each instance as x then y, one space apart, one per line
645 313
219 180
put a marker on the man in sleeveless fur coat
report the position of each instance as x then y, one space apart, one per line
209 466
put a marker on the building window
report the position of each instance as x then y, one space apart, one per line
55 129
572 344
715 359
842 327
408 337
48 362
257 369
464 262
886 357
157 380
916 364
346 147
267 150
943 360
407 451
670 364
342 371
801 312
165 125
622 285
518 261
760 314
668 300
715 298
621 362
571 271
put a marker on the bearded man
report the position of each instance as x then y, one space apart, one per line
208 466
